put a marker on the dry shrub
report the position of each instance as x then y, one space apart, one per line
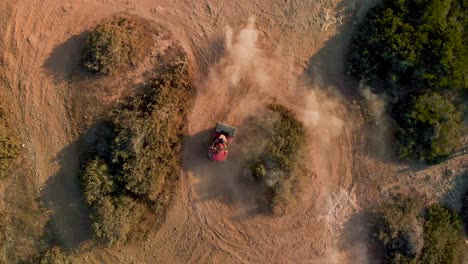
411 236
279 166
136 158
115 45
9 147
54 255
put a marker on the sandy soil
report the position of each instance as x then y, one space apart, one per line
42 41
211 219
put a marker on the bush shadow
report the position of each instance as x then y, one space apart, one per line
326 68
65 58
69 223
358 239
454 197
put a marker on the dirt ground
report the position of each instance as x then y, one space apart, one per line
211 219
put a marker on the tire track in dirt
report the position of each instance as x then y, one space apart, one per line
41 107
199 227
220 224
41 100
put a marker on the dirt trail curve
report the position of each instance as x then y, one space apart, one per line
203 226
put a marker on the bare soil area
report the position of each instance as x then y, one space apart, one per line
298 54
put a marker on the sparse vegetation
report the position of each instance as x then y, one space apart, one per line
54 255
9 148
278 166
8 153
413 51
21 219
114 45
136 158
21 231
399 229
411 236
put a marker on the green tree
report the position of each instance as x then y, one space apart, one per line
413 238
443 242
412 46
411 50
136 157
279 166
429 129
54 255
400 230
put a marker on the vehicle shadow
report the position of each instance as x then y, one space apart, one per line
229 182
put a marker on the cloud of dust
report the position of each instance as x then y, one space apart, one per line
376 103
348 227
380 131
236 88
246 78
245 75
322 114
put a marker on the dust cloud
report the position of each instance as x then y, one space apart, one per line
380 130
245 77
320 115
254 78
240 85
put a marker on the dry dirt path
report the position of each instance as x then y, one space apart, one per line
40 49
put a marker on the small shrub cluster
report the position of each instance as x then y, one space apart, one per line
9 148
136 158
114 45
413 50
278 164
8 153
443 242
410 236
54 255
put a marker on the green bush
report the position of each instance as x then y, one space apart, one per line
400 231
54 255
136 159
277 165
406 48
443 242
8 152
113 45
412 46
409 236
114 218
98 181
429 129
